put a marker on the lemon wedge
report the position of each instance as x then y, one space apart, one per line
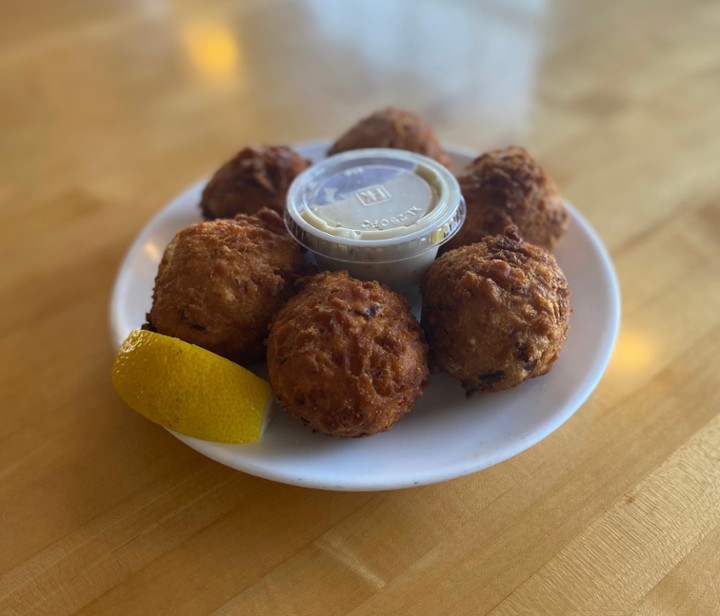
191 390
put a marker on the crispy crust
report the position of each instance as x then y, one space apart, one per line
392 128
220 283
346 356
255 178
508 187
495 312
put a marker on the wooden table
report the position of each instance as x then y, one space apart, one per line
108 109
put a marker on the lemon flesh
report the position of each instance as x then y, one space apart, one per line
190 390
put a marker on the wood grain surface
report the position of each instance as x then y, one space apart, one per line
109 108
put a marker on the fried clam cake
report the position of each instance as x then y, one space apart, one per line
495 312
256 177
347 357
392 128
220 283
509 187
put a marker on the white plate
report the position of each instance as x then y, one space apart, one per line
446 435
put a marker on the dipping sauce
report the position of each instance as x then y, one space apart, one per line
381 214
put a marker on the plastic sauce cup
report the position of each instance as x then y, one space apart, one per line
379 213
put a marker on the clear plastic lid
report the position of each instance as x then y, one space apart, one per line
374 205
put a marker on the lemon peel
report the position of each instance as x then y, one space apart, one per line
191 390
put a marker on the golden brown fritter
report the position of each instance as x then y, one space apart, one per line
347 357
508 187
220 283
392 128
495 312
255 178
